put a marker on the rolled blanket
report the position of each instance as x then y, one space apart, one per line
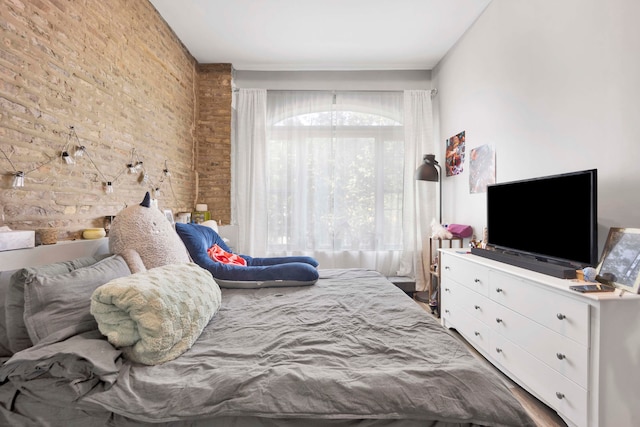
156 315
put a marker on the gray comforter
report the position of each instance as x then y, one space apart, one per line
351 347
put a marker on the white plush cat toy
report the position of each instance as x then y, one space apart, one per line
145 230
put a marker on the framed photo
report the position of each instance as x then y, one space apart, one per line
620 261
169 215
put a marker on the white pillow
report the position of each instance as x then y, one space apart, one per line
211 224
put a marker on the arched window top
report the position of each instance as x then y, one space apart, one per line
342 109
338 118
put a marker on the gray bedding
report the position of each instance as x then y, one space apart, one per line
352 347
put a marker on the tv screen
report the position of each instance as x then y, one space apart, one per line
552 218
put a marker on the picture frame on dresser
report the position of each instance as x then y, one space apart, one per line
620 262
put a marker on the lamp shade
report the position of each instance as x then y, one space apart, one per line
430 171
427 171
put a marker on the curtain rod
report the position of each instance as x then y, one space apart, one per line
433 92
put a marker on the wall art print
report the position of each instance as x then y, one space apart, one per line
455 154
482 168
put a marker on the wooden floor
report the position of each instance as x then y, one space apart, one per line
539 412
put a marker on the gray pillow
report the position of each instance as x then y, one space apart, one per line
52 303
5 350
17 334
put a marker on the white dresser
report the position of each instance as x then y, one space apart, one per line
578 353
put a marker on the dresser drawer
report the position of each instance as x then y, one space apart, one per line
566 357
477 333
565 396
475 304
568 317
469 274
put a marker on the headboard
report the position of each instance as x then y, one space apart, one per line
46 254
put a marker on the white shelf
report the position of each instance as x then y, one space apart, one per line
47 254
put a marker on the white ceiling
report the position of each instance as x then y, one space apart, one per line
272 35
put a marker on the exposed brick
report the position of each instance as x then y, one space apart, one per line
213 134
116 72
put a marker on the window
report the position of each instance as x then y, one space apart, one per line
334 171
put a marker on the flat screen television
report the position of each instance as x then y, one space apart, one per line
552 218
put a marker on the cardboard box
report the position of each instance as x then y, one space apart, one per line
20 239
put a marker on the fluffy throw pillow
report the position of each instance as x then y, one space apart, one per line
54 302
147 231
157 315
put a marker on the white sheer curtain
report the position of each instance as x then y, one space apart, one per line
331 175
419 197
335 177
249 182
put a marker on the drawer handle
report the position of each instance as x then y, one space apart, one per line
561 316
446 267
446 311
498 350
559 395
477 333
498 290
477 307
477 280
560 356
447 290
499 320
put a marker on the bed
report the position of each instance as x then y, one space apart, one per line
350 350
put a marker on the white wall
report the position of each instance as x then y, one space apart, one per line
555 87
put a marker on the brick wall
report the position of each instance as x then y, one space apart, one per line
214 139
116 72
